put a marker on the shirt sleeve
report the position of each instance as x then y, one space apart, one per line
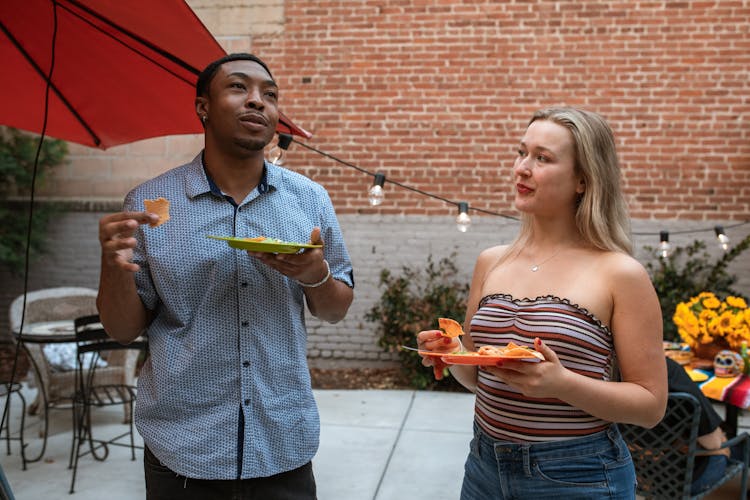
334 249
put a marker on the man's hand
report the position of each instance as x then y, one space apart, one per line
116 236
305 267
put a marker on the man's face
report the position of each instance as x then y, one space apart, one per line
241 106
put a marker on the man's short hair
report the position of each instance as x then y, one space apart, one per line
204 79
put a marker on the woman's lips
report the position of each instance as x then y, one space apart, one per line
523 189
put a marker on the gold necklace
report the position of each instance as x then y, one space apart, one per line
535 267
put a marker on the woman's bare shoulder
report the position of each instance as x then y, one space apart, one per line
621 265
493 252
488 258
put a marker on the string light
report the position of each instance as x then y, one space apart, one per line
722 237
463 221
376 194
490 212
665 248
277 153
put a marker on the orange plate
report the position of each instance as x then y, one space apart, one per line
473 359
433 353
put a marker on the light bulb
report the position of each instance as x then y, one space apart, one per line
722 237
276 155
376 194
463 221
664 247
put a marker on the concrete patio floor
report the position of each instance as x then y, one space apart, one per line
375 445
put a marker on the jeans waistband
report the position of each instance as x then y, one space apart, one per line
585 445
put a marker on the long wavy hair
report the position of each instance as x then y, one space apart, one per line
601 212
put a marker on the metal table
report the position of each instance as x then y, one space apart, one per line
45 332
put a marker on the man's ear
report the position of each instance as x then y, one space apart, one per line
201 106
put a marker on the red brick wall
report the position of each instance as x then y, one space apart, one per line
436 95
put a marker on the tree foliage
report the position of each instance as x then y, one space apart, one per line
413 302
689 271
17 154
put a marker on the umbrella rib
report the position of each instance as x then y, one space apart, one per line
54 88
167 55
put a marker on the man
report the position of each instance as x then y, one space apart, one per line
225 406
708 468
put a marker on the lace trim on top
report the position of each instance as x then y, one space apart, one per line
554 299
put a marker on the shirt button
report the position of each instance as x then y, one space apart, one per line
245 323
246 363
247 402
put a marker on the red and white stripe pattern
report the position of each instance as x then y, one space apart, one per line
579 339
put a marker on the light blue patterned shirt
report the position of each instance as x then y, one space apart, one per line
226 390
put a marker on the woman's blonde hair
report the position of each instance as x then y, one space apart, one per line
601 212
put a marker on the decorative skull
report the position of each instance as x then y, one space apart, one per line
728 364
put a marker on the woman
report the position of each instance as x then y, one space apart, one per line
569 287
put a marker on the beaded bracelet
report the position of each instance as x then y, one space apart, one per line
321 282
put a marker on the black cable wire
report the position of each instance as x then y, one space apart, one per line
399 184
31 217
482 210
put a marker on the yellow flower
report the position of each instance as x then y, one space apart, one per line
725 323
706 318
711 303
736 302
707 315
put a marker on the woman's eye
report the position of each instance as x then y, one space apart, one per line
237 85
542 159
521 153
272 94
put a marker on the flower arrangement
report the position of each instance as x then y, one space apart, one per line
706 319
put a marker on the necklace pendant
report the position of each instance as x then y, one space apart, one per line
534 268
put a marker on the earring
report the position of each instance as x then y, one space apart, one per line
204 118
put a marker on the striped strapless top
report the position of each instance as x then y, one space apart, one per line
583 344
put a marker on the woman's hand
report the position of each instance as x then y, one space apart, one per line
433 340
539 380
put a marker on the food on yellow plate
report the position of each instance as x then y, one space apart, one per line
450 328
160 207
264 239
696 376
681 357
679 352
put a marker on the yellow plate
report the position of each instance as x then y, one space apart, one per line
270 245
697 376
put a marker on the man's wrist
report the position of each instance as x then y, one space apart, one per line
321 282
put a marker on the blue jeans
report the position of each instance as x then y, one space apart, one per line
716 465
591 467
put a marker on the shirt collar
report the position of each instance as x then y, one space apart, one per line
199 182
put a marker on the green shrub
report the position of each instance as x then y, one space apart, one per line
17 154
687 272
413 302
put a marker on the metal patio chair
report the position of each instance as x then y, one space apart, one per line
664 456
92 345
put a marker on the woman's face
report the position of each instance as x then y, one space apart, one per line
544 171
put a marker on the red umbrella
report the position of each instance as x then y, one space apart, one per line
123 70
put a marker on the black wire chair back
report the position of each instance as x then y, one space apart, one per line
664 456
93 347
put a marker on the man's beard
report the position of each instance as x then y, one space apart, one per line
251 145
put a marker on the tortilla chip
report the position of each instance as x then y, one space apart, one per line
512 350
160 207
450 327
